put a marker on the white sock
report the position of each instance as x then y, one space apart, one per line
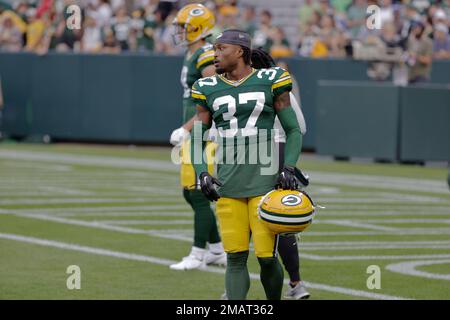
199 253
216 248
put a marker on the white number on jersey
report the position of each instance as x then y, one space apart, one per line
250 127
272 72
207 81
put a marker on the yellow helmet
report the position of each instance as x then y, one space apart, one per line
286 211
192 23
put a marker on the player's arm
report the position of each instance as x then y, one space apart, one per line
298 112
206 72
207 69
198 145
288 120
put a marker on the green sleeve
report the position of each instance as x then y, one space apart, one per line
198 96
293 147
198 145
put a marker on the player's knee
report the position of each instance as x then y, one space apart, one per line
237 260
269 264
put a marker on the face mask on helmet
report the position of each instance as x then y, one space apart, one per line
193 23
184 33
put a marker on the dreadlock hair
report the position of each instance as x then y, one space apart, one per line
261 59
246 55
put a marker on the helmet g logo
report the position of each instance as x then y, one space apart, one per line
196 12
291 200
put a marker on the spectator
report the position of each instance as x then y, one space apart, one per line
49 30
305 13
110 43
262 38
35 30
357 17
310 44
439 16
164 29
10 35
386 12
341 6
280 45
142 32
121 25
331 37
102 14
441 42
420 51
248 20
325 8
92 36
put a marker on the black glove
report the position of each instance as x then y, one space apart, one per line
287 179
302 177
207 184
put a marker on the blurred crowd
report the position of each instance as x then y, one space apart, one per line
326 28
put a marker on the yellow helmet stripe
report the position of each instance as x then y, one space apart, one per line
275 218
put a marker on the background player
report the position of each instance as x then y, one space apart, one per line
193 25
287 245
242 100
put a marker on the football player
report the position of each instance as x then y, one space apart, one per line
193 24
243 103
287 246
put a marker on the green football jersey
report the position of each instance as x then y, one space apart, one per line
244 115
193 66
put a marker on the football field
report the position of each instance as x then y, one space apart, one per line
118 213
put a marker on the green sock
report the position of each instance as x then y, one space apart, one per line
237 279
271 277
205 225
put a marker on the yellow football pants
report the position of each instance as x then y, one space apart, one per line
187 174
238 220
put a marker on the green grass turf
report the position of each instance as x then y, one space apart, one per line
31 271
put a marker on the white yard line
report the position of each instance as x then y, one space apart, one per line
127 214
146 222
428 220
401 232
359 214
340 179
409 268
400 207
372 257
409 231
355 224
377 201
90 160
75 200
378 182
167 262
